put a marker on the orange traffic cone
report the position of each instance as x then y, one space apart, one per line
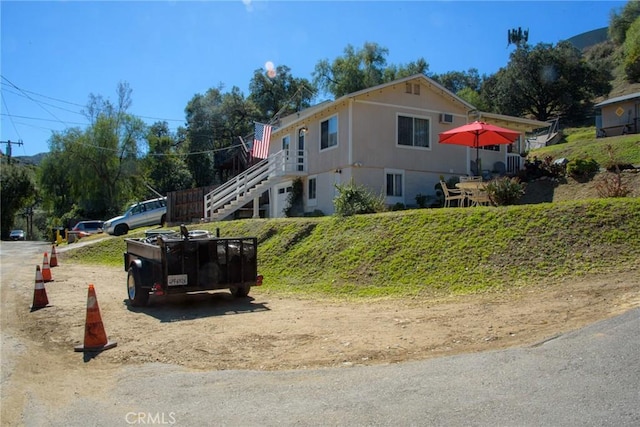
54 257
46 271
40 299
95 338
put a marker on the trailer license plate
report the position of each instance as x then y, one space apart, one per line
177 280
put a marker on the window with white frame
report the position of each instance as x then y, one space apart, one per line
413 132
329 133
286 142
394 183
312 190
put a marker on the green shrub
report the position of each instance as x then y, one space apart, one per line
353 199
582 168
315 214
505 191
295 202
421 200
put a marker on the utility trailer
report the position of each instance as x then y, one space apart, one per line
189 261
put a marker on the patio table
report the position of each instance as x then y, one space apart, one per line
474 190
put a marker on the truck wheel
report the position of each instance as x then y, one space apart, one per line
121 229
138 296
163 220
240 291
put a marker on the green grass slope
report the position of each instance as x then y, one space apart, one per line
429 252
581 143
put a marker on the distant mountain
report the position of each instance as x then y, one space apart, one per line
30 160
590 38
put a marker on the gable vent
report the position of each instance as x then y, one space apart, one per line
446 118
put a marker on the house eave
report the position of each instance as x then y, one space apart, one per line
623 98
518 123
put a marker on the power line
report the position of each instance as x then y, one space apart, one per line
45 96
49 104
25 93
37 102
40 119
10 118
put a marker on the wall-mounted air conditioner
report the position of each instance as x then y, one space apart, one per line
446 118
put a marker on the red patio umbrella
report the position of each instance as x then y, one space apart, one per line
478 134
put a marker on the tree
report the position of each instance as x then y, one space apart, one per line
279 95
393 72
474 98
546 81
201 129
631 48
53 178
17 191
620 23
215 123
455 81
164 164
360 69
356 70
96 168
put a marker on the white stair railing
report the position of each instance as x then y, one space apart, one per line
239 190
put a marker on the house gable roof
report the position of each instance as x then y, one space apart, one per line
617 99
521 124
432 84
327 105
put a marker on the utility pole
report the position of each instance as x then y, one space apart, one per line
9 148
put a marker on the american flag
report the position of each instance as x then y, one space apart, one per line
262 136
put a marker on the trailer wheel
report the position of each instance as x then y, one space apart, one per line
240 291
138 296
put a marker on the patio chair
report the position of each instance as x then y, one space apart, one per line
452 194
478 197
500 168
470 178
474 168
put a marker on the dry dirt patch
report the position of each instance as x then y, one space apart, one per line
267 332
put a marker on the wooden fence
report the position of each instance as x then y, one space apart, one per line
186 206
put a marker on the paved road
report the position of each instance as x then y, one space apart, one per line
587 378
590 377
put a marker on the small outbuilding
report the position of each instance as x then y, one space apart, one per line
618 116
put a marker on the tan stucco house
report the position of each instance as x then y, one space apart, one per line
618 116
384 137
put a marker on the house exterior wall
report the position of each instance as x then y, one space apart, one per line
620 117
367 148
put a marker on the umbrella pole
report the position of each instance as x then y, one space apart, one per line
478 166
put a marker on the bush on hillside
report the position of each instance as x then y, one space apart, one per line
612 185
582 168
353 199
295 202
534 169
505 191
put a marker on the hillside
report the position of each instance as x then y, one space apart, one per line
433 251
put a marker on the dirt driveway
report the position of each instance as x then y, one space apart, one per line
267 332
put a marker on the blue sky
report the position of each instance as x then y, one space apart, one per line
56 53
